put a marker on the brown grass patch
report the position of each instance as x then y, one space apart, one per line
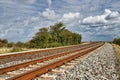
5 50
117 52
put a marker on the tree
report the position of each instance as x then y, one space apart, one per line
55 35
116 41
41 38
20 44
11 44
3 42
55 31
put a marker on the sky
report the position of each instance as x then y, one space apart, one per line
95 20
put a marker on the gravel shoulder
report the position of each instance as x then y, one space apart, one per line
98 65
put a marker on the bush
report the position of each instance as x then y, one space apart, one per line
55 44
116 41
16 49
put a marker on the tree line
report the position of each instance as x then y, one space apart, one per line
53 36
5 43
116 41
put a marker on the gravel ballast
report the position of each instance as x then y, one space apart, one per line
98 65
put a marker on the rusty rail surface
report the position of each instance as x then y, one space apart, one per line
41 70
22 65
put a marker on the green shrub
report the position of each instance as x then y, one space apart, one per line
16 49
55 44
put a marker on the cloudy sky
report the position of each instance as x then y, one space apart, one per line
94 19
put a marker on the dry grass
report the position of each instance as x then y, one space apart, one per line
117 50
10 50
5 50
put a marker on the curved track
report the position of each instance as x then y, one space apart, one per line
53 61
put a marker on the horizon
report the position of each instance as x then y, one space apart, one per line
97 20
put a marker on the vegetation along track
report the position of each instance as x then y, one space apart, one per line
46 64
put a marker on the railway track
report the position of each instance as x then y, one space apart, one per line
31 69
34 54
17 58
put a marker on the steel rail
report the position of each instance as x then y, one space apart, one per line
41 70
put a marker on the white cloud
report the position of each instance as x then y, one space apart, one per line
107 11
94 20
26 22
105 27
67 17
49 14
106 24
101 19
111 14
35 18
49 3
29 1
114 14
